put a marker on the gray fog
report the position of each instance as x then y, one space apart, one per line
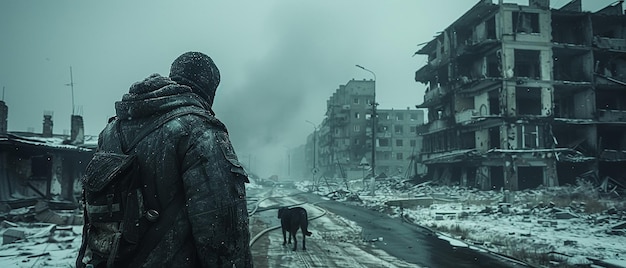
280 60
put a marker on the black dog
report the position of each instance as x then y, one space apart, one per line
292 219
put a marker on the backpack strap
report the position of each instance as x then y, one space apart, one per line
162 120
166 219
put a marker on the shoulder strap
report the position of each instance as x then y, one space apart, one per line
163 119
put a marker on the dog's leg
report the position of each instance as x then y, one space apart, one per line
303 240
285 237
295 241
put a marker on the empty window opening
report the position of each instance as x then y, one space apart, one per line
571 66
568 29
494 137
468 140
494 102
527 63
564 106
494 65
529 177
612 138
524 22
41 166
528 100
491 28
611 100
611 66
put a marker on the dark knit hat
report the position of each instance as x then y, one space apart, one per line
198 71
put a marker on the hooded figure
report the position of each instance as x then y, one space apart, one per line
187 160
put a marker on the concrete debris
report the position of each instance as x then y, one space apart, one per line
565 215
41 212
11 235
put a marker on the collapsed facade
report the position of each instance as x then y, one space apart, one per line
341 147
520 96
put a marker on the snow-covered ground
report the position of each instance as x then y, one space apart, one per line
564 225
551 227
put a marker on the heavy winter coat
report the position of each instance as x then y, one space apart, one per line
191 157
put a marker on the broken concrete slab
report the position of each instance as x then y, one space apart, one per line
11 235
565 215
619 226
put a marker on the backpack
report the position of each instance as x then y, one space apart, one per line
116 216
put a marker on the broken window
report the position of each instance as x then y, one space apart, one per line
530 136
528 100
357 115
525 22
399 117
527 63
357 128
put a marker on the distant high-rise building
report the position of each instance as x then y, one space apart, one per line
344 139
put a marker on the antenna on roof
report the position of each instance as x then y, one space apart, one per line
71 84
2 93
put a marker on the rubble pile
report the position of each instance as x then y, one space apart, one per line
567 225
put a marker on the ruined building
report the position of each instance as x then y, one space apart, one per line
520 96
42 166
342 144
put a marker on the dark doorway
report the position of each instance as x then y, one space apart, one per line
529 177
497 177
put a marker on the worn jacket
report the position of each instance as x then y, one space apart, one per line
191 157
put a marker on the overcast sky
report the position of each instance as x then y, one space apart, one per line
279 60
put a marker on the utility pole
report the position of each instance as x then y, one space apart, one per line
374 117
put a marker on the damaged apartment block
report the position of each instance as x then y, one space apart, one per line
521 96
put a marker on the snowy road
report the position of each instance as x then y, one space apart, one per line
335 242
348 236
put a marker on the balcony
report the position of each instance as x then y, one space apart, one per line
611 115
465 117
610 43
434 95
434 126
